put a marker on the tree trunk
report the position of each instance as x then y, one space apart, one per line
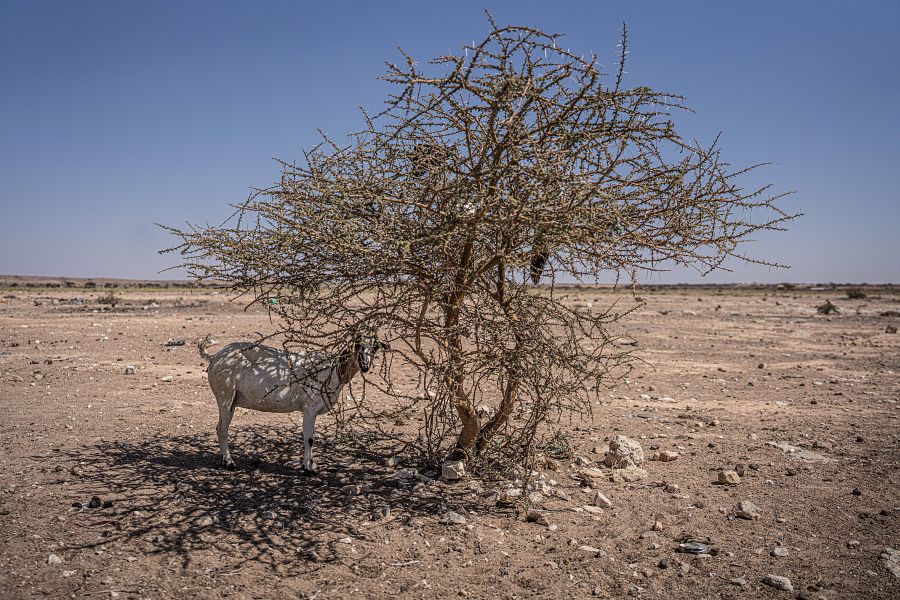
511 388
500 417
455 383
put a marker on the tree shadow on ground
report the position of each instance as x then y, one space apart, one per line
171 495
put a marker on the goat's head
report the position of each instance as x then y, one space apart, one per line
365 346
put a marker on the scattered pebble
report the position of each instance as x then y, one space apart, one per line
129 370
746 510
891 559
204 521
780 551
601 500
591 473
453 470
729 478
405 474
667 456
54 560
453 518
623 453
629 474
778 582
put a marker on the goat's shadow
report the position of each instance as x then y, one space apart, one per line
170 494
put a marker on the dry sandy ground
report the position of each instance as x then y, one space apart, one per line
734 370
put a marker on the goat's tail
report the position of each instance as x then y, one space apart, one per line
203 344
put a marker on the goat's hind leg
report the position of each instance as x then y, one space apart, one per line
226 412
309 440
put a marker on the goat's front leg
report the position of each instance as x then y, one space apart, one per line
309 435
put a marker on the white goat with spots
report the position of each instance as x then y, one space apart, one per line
248 375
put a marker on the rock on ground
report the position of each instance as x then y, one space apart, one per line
602 501
746 510
891 560
729 478
629 474
667 456
778 582
453 470
623 453
453 518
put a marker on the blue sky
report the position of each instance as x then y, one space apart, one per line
116 115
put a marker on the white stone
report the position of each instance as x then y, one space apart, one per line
746 510
453 470
891 560
624 452
729 478
405 474
453 518
204 521
630 474
778 582
601 500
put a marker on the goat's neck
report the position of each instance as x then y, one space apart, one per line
347 368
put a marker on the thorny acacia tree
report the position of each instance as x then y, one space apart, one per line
512 162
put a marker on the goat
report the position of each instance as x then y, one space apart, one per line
258 377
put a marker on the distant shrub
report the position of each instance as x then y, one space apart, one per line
109 298
856 294
827 308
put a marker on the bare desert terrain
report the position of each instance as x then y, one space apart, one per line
110 483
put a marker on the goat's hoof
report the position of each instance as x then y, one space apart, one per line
228 466
310 472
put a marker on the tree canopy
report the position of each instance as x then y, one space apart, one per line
510 163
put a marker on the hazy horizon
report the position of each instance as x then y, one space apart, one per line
117 116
